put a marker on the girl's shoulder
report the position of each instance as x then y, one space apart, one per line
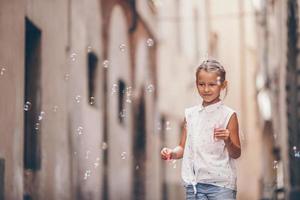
229 111
191 110
227 108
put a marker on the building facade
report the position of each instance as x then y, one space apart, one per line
79 82
278 95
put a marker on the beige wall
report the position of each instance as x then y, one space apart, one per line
60 147
12 96
87 154
119 137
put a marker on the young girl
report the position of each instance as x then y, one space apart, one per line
210 140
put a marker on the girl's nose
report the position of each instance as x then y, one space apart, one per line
206 88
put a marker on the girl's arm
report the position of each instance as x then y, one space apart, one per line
233 141
177 152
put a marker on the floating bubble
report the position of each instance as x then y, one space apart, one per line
114 89
122 47
27 106
137 167
89 49
296 153
87 174
219 80
123 113
55 108
128 100
150 42
67 76
168 126
75 153
104 145
40 117
129 90
77 98
80 130
96 164
275 164
128 94
73 56
2 71
92 100
150 88
105 63
123 155
37 126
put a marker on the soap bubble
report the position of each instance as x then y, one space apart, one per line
275 164
80 130
150 88
2 71
122 47
123 155
92 100
73 56
150 42
89 49
168 127
87 174
77 98
37 126
104 145
123 113
115 89
55 108
40 117
105 63
27 106
67 76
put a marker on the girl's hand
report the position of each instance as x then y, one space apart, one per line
223 134
166 153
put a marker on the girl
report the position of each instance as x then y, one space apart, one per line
210 140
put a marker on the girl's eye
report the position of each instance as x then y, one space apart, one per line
201 84
212 84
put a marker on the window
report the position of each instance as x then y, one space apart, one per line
122 91
92 70
32 134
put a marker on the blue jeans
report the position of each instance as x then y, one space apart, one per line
209 192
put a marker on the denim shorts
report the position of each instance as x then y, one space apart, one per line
209 192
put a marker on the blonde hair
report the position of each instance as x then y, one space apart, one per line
212 65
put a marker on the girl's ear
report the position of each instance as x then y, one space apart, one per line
224 84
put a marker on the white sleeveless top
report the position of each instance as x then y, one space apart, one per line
206 160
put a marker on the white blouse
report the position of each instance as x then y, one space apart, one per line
206 160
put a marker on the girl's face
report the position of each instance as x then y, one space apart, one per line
209 87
